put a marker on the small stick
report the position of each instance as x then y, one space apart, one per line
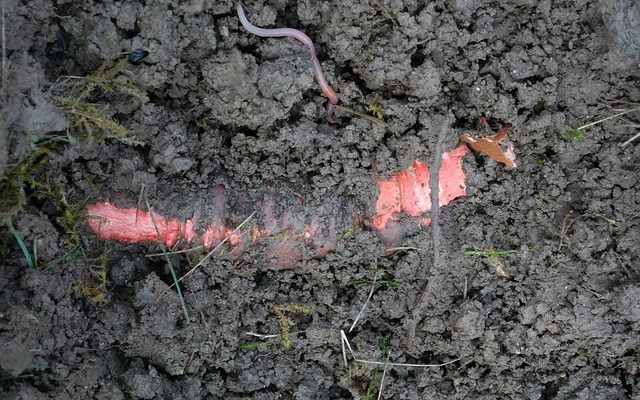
193 353
566 223
387 12
343 339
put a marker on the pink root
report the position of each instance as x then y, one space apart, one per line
408 192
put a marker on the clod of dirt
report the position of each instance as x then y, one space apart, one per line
622 18
25 110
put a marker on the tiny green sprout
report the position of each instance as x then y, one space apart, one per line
94 288
375 108
542 159
574 134
384 345
539 107
249 346
374 386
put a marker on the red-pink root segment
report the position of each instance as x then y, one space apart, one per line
408 192
136 226
288 237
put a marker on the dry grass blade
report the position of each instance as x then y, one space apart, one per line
345 341
628 142
139 202
384 373
620 114
189 250
170 264
362 115
23 247
373 286
262 335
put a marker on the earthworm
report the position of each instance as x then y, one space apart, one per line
302 37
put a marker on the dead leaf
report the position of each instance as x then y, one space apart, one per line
495 146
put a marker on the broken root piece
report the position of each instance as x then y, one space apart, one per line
496 146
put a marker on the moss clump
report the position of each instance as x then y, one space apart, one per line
285 323
375 108
95 288
87 118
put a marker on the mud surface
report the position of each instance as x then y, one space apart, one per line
559 317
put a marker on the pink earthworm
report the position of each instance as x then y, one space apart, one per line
301 36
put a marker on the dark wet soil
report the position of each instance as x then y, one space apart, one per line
559 317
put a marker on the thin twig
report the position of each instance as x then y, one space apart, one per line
384 373
566 223
63 80
201 262
406 364
419 43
